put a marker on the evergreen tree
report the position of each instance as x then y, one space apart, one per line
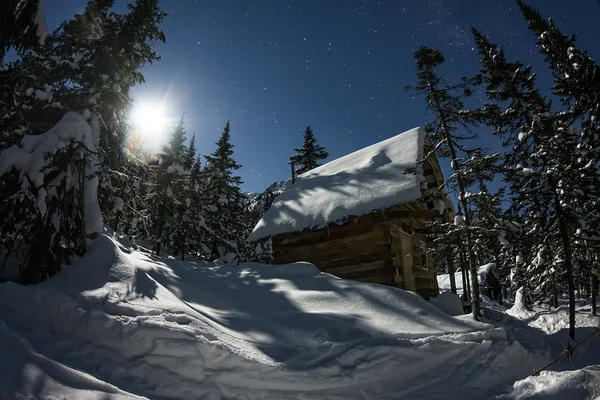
23 25
227 212
544 149
577 84
88 65
190 155
189 228
258 206
309 155
165 198
469 165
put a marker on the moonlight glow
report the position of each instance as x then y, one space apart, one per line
150 120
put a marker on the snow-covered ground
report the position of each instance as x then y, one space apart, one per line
444 284
121 323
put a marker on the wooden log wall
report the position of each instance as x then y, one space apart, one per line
360 249
381 247
407 236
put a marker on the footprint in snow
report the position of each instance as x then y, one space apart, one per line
180 319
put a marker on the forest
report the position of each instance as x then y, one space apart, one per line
71 164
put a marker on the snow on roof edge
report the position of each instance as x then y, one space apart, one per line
358 183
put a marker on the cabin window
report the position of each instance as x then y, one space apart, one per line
406 228
420 259
424 262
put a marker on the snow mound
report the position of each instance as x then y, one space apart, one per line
550 385
297 269
448 302
369 179
24 374
519 309
132 322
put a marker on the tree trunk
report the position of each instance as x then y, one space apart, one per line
450 262
117 221
465 273
564 233
554 293
594 285
161 216
462 189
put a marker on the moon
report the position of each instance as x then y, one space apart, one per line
149 119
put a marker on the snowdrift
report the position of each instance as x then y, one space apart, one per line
550 385
121 323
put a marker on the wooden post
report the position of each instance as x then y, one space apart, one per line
450 263
293 171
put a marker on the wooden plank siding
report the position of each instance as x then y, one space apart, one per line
381 247
373 248
360 249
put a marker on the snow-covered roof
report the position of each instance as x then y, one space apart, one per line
369 179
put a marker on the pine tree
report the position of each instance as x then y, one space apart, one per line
227 214
309 155
88 65
190 155
577 84
166 197
470 165
23 25
188 228
258 206
538 169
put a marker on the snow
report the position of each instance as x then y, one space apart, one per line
40 22
458 220
487 269
448 302
578 384
522 136
176 169
444 279
25 374
42 96
119 322
31 159
519 310
41 201
369 179
577 378
444 282
117 204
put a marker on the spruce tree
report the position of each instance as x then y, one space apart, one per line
190 155
577 84
258 206
23 25
544 149
88 66
226 208
309 155
189 228
469 165
165 198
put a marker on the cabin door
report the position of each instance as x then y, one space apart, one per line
407 261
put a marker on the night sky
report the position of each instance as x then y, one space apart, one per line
273 67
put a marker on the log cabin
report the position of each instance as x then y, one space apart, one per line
363 215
